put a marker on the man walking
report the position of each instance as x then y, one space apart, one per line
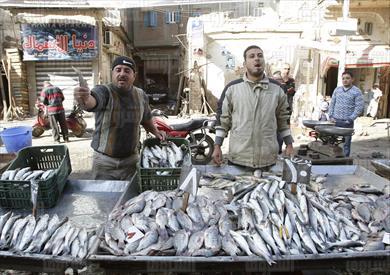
372 110
52 97
254 109
346 105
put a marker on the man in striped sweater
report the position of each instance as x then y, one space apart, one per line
53 97
346 105
120 108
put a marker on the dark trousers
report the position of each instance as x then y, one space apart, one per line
58 118
348 139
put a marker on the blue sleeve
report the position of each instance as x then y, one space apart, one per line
359 106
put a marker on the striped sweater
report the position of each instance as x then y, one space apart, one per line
52 97
346 104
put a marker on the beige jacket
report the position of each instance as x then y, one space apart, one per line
254 113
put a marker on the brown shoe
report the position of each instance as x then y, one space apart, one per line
66 140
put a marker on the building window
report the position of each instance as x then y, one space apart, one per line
107 37
172 17
368 28
150 19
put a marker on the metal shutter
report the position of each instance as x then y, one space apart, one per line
61 74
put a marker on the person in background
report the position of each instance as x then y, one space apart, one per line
372 110
346 105
120 108
254 109
323 115
52 97
288 85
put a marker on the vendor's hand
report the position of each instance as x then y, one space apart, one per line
289 150
81 95
217 155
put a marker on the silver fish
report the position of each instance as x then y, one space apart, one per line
212 239
306 238
3 219
21 172
180 241
258 247
27 233
229 245
242 243
18 227
173 224
279 242
364 212
246 219
225 225
195 214
135 207
151 237
196 241
131 247
58 235
69 238
267 237
184 221
159 202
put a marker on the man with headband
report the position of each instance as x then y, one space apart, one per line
120 108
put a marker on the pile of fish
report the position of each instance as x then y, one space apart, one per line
263 218
26 173
165 155
203 230
45 236
369 208
309 222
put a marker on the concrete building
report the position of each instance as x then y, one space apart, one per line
367 51
305 34
48 42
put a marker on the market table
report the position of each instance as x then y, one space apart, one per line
338 177
87 204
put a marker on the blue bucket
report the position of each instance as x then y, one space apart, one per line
16 138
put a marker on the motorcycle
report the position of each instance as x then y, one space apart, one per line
74 121
195 131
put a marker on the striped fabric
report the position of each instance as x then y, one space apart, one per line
52 97
346 104
118 116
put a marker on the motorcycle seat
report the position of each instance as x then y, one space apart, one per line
191 125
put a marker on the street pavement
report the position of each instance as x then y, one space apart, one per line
368 142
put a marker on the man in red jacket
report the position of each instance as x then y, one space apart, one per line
53 97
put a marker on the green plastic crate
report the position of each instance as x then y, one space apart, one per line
160 179
17 194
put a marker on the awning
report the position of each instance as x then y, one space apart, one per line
373 56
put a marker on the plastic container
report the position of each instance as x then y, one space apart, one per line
17 194
161 179
16 138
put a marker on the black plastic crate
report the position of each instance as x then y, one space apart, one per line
17 194
161 178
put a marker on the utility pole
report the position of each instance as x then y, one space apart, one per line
343 46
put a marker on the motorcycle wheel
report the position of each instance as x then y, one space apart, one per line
203 153
37 131
79 130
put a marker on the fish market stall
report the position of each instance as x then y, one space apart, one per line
203 238
83 207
